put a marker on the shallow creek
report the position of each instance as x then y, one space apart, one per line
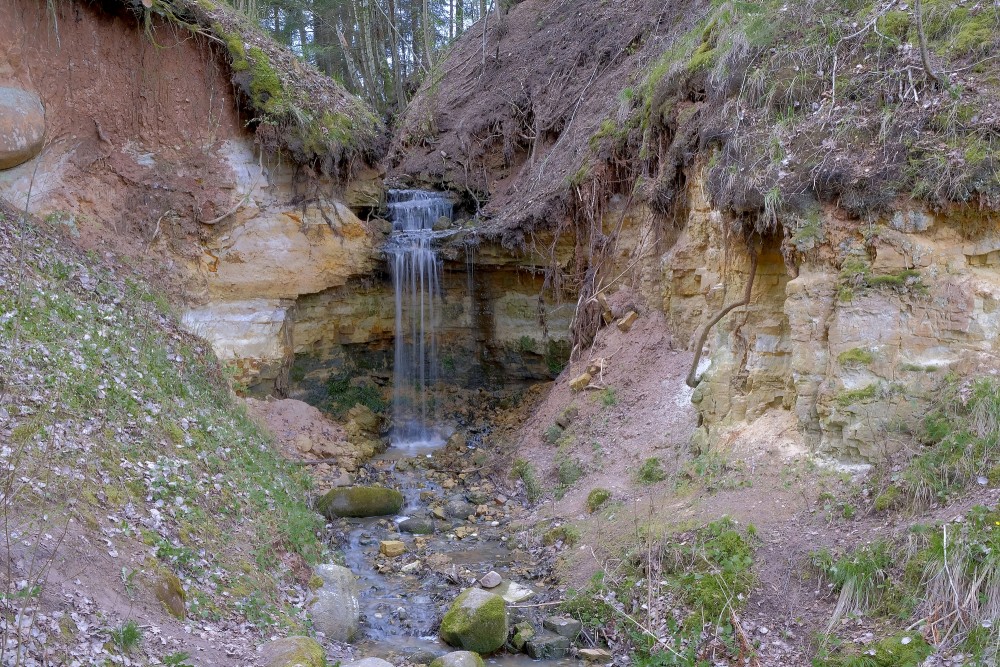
401 603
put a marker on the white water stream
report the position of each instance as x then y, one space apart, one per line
416 274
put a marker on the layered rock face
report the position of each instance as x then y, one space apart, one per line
155 164
493 329
852 326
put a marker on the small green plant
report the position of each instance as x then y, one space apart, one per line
178 659
567 534
851 396
857 356
888 499
713 571
526 345
608 397
596 499
524 471
650 472
126 638
569 471
344 395
552 434
860 576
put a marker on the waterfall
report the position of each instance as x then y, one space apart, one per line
416 277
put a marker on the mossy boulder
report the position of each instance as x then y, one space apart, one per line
477 621
459 659
360 501
170 592
293 652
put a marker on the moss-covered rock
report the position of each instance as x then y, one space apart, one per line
293 652
360 501
477 621
459 659
170 592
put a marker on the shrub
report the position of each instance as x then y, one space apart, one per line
860 576
569 471
526 473
650 471
126 638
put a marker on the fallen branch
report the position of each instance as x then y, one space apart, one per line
692 377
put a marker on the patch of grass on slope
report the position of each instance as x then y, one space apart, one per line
117 421
701 577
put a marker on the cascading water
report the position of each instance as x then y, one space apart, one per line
416 275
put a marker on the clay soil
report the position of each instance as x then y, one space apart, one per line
762 474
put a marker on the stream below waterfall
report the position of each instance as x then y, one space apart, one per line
455 524
404 598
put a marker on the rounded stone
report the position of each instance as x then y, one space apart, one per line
459 659
369 662
336 612
293 652
360 501
477 621
22 126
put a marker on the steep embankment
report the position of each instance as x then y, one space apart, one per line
671 152
182 137
841 158
136 488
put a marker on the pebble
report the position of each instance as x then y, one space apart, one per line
490 580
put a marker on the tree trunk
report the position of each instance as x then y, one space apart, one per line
397 69
428 50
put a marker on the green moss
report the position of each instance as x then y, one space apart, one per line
476 621
888 499
567 534
846 398
360 501
650 471
908 649
266 90
855 357
596 499
234 44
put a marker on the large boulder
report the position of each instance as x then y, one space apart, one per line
360 501
336 611
477 621
22 126
293 652
459 659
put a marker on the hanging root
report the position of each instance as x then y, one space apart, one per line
692 377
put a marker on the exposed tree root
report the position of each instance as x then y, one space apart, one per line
692 377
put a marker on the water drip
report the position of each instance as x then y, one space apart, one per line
416 275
